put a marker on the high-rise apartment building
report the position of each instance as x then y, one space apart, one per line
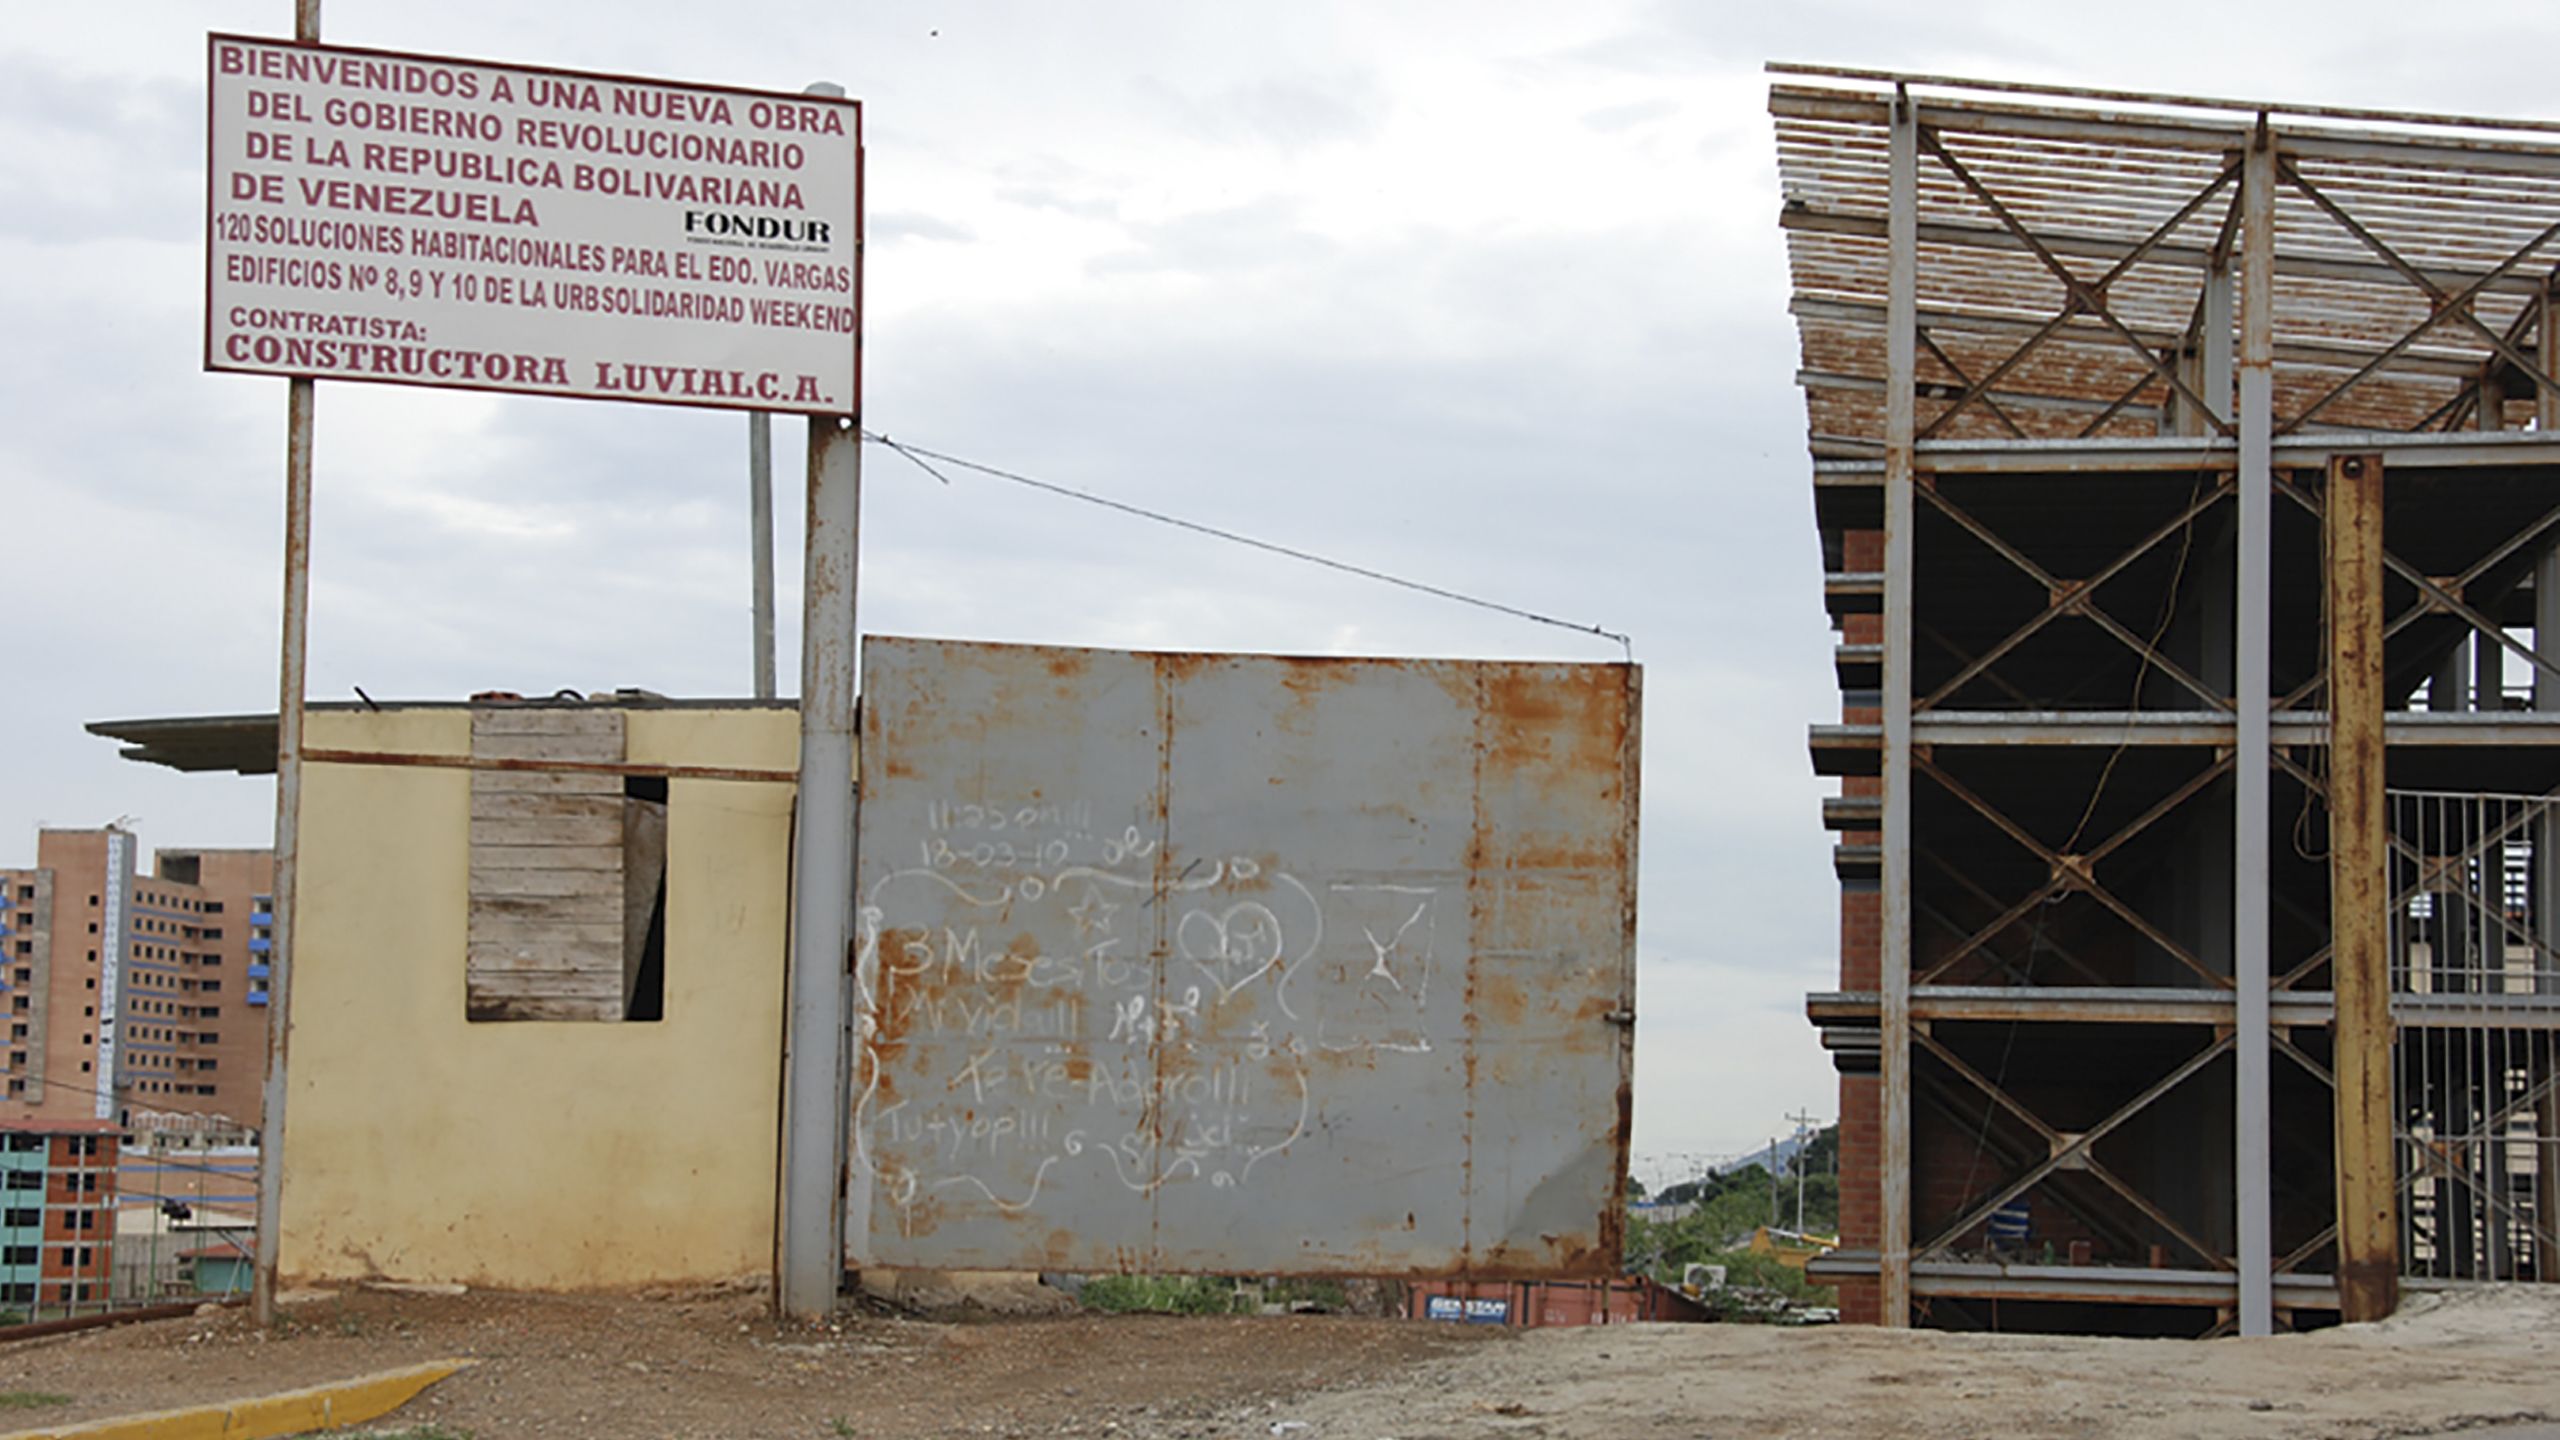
133 993
57 1214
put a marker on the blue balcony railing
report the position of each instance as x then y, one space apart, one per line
260 944
258 972
257 997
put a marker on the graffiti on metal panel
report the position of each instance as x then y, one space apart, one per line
1091 1009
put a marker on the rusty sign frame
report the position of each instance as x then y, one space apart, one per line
1157 956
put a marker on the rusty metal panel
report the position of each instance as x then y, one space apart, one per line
1243 964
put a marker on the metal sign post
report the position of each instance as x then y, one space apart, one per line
816 1053
703 248
760 543
300 392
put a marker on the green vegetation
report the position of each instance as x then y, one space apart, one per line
30 1399
1161 1294
1324 1293
1729 1207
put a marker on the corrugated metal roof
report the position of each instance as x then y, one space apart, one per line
2095 177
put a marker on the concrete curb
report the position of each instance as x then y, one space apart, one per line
295 1412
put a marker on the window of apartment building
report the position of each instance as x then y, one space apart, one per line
213 907
26 947
93 902
26 1180
93 929
17 1087
25 974
26 892
568 874
18 1255
211 985
24 1142
25 1215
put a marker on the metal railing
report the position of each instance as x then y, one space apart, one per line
2476 1062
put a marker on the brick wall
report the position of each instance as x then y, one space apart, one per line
1861 948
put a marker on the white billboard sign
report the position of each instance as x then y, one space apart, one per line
430 221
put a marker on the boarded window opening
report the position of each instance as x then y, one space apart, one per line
568 873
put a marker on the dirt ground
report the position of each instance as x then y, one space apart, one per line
715 1366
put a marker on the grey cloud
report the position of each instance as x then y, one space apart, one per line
1254 236
1284 112
914 225
93 157
1613 118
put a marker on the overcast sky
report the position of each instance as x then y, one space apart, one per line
1492 295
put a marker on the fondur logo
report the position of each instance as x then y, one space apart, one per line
762 232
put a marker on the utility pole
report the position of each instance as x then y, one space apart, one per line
1804 1123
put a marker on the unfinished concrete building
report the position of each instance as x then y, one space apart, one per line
2185 479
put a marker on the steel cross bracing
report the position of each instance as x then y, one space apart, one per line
2072 1150
2445 595
2073 873
2081 297
2429 871
2075 597
2013 300
2411 266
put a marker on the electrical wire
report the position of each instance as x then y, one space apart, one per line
923 459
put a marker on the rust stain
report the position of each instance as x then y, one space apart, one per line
1539 797
1058 1250
1502 999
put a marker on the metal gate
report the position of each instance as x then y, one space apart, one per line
1243 964
2476 1068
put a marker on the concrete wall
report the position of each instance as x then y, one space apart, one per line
530 1155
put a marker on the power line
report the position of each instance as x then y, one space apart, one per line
923 459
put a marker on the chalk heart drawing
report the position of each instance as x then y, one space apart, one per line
1233 947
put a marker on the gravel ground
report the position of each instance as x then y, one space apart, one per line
715 1366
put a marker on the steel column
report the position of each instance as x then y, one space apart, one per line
2359 894
2250 753
815 1056
2546 696
1901 429
2216 357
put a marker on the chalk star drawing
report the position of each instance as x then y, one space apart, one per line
1093 913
